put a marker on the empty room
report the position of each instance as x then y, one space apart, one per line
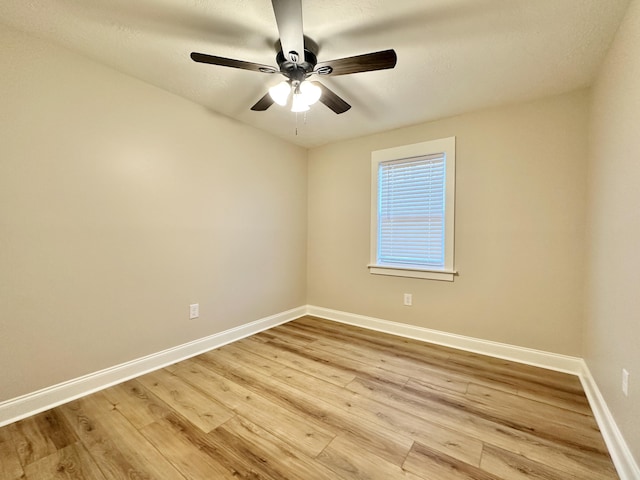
301 239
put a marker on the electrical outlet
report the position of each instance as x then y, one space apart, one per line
408 299
194 311
625 382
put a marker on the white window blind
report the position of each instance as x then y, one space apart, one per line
411 211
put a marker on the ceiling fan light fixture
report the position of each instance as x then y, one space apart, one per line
310 92
280 93
299 104
297 60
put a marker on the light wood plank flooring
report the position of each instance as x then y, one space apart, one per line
313 400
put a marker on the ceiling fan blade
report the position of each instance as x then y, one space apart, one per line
262 104
229 62
360 63
289 19
332 100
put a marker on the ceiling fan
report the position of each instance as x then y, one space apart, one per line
297 63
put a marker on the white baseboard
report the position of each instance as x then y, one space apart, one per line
622 458
538 358
26 405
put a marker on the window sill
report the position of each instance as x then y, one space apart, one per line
398 271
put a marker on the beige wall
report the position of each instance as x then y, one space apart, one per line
612 340
519 228
120 205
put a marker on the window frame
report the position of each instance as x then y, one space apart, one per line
446 146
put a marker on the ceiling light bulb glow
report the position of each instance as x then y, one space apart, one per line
310 92
299 104
280 93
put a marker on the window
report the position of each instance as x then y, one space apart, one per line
412 210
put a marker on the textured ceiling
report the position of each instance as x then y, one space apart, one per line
454 56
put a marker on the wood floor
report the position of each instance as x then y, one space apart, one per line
313 400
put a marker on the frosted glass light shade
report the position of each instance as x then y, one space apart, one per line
298 104
310 92
280 93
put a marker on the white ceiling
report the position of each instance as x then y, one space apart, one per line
454 56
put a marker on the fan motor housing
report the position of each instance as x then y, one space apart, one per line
297 71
